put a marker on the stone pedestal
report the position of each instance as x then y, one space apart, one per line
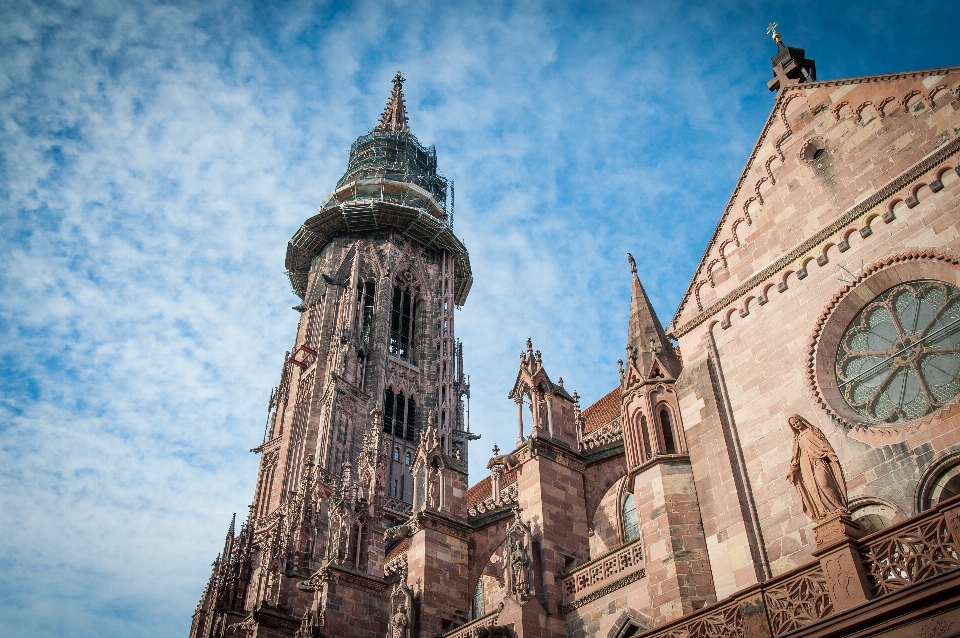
846 578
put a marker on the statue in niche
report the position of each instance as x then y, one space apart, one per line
399 624
815 472
402 602
518 559
519 563
433 488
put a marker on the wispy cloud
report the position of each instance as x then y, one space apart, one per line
155 158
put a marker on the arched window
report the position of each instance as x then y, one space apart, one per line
631 522
398 414
411 420
668 443
402 326
388 401
396 454
365 303
476 609
944 486
407 460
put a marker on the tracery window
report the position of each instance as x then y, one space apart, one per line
365 293
899 358
631 522
402 323
399 415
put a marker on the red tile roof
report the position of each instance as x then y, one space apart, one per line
399 548
482 490
602 412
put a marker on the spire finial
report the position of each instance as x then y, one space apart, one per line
633 263
772 32
394 118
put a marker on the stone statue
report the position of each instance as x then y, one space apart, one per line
433 488
519 561
399 623
815 472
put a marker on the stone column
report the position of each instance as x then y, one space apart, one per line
519 401
549 399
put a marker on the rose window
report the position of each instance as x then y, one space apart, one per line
899 359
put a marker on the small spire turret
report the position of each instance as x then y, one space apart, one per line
790 66
394 118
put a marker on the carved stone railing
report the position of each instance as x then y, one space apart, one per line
396 506
614 569
912 551
610 433
797 600
469 630
508 495
922 547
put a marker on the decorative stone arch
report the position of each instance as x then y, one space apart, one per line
941 474
676 432
874 514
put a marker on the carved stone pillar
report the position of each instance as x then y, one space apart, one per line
549 398
519 401
496 481
840 561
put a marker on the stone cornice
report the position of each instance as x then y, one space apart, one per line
887 191
433 520
603 454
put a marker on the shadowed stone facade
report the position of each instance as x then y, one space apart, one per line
783 457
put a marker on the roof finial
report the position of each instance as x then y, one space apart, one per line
772 31
394 118
633 263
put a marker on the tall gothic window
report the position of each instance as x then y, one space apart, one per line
399 415
476 609
631 523
669 445
388 402
365 292
411 420
402 324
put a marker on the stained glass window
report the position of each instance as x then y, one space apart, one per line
631 524
899 358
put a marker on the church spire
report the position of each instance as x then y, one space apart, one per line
646 340
394 118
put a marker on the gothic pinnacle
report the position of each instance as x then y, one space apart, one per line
394 118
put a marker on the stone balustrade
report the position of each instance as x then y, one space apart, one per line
586 581
610 433
396 506
918 548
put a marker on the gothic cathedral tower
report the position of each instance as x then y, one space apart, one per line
375 358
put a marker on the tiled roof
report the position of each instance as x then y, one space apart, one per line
397 549
602 412
481 491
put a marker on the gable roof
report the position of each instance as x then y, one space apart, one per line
775 133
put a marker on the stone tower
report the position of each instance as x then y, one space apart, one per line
375 357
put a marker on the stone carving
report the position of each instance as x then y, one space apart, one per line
798 602
910 555
815 472
433 488
519 563
508 461
401 602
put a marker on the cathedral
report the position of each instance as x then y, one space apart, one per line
783 457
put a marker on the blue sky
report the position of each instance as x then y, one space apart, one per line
155 159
